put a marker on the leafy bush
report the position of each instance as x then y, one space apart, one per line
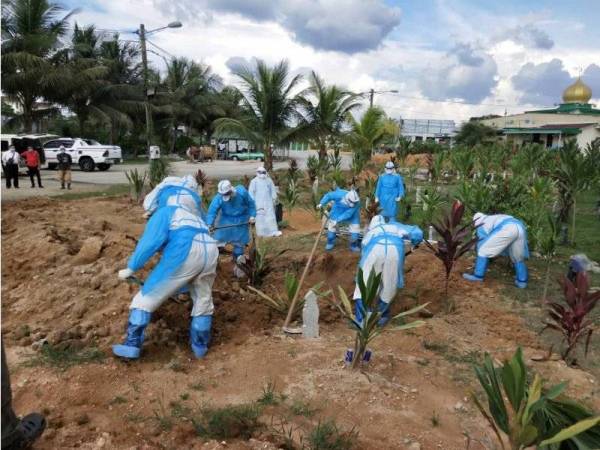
369 328
525 420
463 161
290 195
159 169
572 319
327 436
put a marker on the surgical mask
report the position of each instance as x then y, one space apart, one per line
226 197
389 170
262 174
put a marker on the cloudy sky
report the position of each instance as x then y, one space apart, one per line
448 59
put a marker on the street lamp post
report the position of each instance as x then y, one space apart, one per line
372 93
142 33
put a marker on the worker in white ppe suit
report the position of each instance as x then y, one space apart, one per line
171 191
383 252
189 259
500 234
264 193
345 209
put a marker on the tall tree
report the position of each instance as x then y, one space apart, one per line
31 30
325 110
365 134
269 107
473 133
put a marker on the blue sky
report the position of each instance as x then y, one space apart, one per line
447 58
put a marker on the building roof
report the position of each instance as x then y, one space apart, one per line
545 129
570 108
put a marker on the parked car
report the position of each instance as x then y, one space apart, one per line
87 153
246 155
22 141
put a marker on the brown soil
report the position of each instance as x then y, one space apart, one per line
59 283
418 160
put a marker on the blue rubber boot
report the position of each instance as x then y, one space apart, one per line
132 347
354 243
358 309
200 335
384 309
330 240
238 251
479 272
521 275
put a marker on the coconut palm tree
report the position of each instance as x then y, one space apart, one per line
269 107
31 30
368 132
325 110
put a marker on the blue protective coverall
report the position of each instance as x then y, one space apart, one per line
342 212
500 234
237 210
383 252
390 189
189 258
171 191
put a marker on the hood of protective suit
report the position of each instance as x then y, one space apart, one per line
351 199
225 187
376 221
478 218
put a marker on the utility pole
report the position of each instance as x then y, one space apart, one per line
371 95
142 34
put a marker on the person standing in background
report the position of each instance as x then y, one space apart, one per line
32 161
64 167
10 164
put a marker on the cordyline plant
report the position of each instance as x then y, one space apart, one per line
371 205
257 264
572 319
453 241
533 415
369 328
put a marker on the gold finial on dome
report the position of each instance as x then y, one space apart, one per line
578 92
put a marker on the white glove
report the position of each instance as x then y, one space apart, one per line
147 215
125 273
252 220
376 200
319 206
398 199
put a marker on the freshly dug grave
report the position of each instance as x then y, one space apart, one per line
59 285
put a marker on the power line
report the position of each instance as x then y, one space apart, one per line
159 48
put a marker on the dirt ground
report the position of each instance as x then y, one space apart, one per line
59 284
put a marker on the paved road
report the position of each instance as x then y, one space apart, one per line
98 181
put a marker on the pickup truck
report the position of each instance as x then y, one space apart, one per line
87 153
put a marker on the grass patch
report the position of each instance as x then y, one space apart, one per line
197 387
185 396
64 358
179 411
435 419
302 408
118 400
269 396
327 436
228 422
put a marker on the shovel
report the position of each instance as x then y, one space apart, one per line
286 328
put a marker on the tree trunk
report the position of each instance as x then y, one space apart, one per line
547 280
268 152
322 152
573 224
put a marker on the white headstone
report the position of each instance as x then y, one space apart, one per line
310 316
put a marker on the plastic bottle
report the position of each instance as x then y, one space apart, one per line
310 316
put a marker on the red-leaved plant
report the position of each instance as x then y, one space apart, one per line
455 240
572 319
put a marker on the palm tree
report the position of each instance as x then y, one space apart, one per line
368 132
269 107
573 174
31 30
325 113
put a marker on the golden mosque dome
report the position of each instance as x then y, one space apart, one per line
578 92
